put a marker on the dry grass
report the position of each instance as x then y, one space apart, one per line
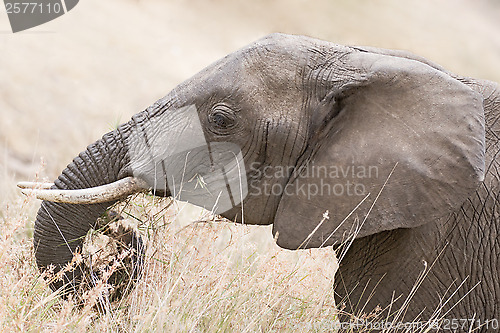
202 277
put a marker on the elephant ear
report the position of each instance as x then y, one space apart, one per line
404 147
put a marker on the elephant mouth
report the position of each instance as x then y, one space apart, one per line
99 194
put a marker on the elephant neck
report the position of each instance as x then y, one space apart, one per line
453 266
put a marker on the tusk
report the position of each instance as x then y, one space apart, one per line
34 185
104 193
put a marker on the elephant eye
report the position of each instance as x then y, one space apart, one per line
222 117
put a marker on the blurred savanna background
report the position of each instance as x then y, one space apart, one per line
66 83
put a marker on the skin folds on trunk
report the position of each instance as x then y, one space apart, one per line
61 228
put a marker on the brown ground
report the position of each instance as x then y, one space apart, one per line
65 83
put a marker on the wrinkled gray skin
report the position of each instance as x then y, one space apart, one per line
430 136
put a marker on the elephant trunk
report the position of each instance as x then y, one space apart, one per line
163 140
60 228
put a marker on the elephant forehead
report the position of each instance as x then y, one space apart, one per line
270 64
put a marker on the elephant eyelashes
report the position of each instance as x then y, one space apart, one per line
222 118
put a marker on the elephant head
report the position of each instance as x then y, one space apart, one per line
326 142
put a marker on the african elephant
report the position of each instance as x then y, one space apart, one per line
384 155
